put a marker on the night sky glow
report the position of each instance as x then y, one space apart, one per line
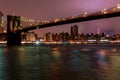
51 9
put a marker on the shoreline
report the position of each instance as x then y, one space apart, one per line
61 44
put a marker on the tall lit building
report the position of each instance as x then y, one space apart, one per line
1 22
48 36
98 30
74 32
64 36
56 37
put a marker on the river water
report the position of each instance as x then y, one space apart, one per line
60 62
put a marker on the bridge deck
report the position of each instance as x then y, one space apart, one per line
81 18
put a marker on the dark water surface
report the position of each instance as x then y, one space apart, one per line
63 62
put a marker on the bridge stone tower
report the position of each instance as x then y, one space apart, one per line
13 36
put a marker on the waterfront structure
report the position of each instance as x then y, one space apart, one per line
64 36
82 38
56 37
29 36
48 36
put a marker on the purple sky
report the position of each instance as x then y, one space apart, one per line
51 9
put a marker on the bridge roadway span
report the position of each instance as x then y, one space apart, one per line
88 17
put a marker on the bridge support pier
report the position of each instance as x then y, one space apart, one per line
14 39
13 36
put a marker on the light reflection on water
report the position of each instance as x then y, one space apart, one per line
1 64
65 62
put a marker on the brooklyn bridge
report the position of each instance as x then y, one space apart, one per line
14 27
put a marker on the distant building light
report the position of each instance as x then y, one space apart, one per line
42 40
92 40
22 42
118 6
104 40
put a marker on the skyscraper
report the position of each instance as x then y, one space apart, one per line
48 36
1 22
74 32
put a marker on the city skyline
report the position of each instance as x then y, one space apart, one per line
68 8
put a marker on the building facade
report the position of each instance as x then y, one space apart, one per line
1 22
74 32
48 37
29 36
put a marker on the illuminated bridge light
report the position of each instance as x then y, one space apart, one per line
60 19
114 9
73 17
37 21
85 14
104 11
118 6
46 21
56 20
42 21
